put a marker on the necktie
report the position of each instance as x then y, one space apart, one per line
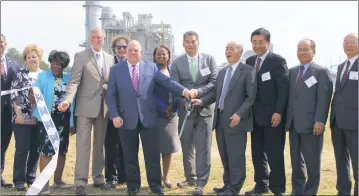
225 88
102 68
345 75
299 80
193 69
135 77
258 64
3 73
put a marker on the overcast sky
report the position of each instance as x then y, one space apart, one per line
61 25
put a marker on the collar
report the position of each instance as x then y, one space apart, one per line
119 60
306 65
235 65
189 57
130 65
352 60
263 56
3 58
95 52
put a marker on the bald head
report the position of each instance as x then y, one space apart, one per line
134 52
233 52
350 45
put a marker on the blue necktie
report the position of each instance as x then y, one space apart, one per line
225 87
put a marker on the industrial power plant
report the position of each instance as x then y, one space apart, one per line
149 35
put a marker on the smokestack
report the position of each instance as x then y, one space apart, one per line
93 9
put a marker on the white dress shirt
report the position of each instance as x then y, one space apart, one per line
352 60
100 61
263 57
131 69
190 60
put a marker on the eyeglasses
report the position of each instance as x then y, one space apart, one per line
120 46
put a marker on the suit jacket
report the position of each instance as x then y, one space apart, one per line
88 85
180 72
307 105
124 101
345 101
12 69
272 94
239 99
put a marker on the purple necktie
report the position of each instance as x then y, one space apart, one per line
135 77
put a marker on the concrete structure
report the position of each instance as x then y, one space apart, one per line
92 21
143 30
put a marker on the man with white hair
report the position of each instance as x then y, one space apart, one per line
234 94
344 117
88 82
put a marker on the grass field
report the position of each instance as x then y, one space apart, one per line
327 185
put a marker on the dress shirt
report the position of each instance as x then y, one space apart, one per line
306 66
263 57
3 59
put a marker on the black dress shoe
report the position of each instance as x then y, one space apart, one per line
220 190
132 191
112 184
198 191
4 184
158 191
81 191
227 192
20 187
103 186
257 191
278 194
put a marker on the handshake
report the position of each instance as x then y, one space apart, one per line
193 93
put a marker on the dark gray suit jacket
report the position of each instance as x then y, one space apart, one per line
309 105
345 101
12 69
180 72
240 97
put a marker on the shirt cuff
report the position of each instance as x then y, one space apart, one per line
320 123
184 90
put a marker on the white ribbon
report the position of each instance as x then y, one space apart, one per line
51 131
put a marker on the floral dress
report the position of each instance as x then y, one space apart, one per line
61 121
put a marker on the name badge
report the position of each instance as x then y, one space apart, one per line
311 81
353 75
205 71
266 76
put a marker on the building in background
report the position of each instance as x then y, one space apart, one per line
143 30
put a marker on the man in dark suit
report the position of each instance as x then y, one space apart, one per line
344 117
9 68
197 71
268 136
132 106
310 93
113 148
234 94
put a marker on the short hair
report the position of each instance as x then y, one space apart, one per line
168 51
261 31
33 48
312 43
2 35
98 29
116 39
190 33
59 57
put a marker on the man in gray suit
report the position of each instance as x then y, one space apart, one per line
88 82
234 94
196 71
344 117
310 92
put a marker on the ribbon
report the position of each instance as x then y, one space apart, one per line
51 131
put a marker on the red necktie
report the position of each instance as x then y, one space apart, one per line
299 80
135 77
3 73
258 64
345 75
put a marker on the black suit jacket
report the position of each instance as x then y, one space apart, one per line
272 95
12 69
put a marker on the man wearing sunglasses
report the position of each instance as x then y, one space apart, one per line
114 162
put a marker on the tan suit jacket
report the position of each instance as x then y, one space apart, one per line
88 85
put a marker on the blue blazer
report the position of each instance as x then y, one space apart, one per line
46 83
124 101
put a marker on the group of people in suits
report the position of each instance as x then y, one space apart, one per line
124 97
